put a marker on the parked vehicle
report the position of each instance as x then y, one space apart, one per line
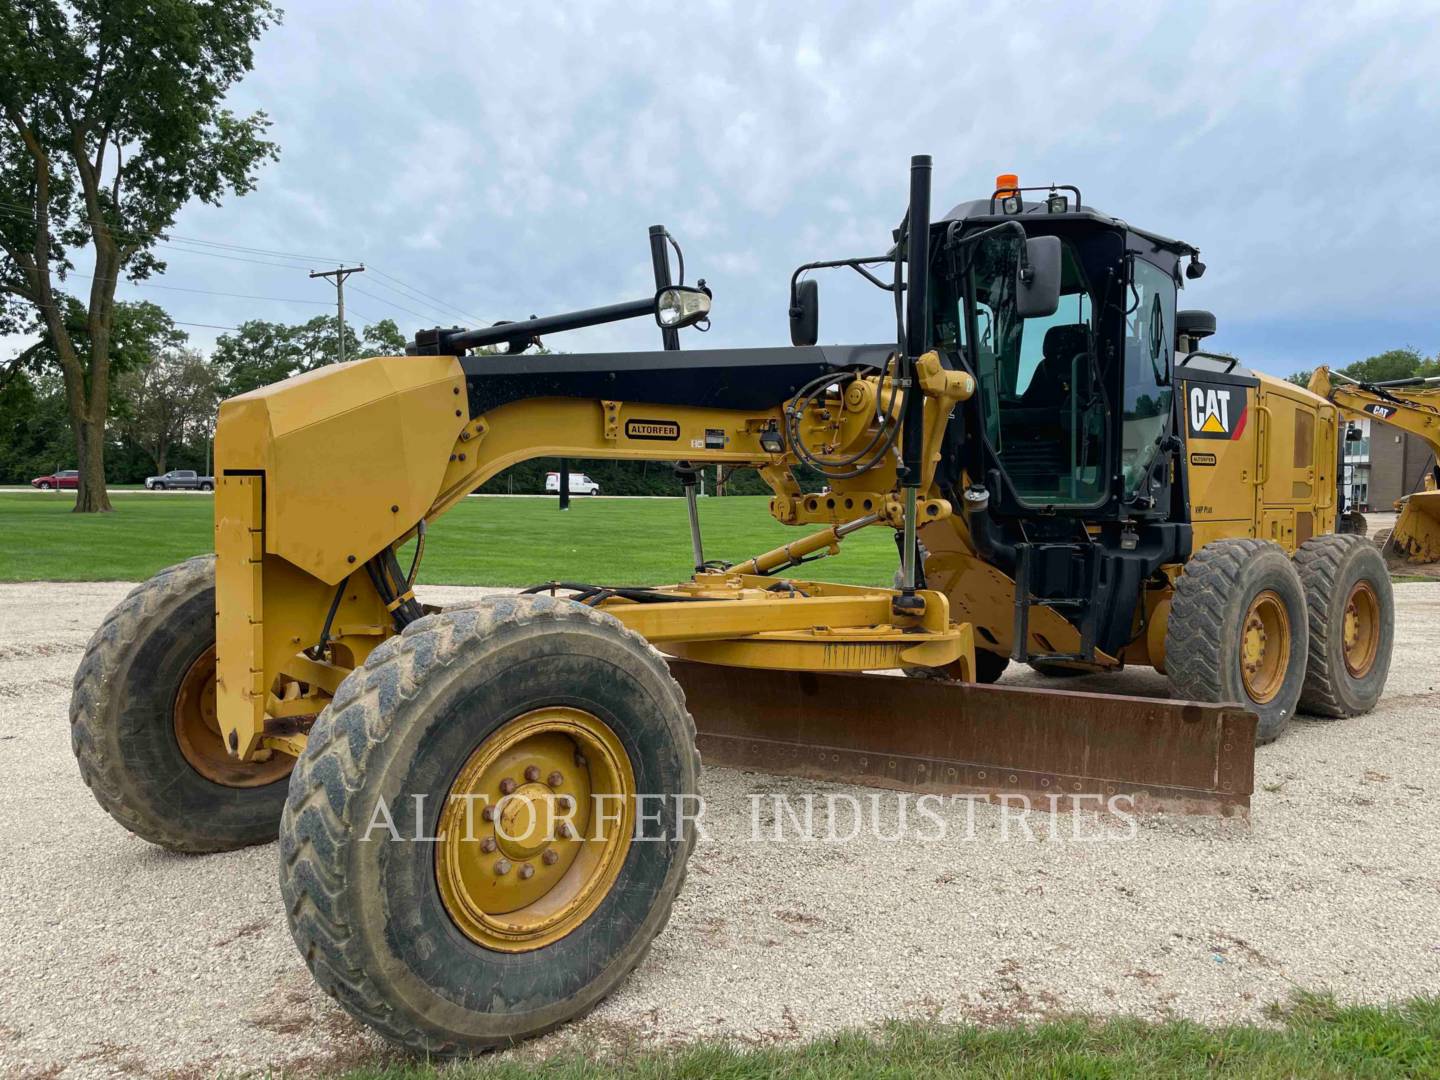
580 484
68 479
180 480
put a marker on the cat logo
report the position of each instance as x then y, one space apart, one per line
1216 412
1384 412
659 430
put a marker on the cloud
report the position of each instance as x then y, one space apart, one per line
509 159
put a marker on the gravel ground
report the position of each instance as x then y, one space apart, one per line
121 959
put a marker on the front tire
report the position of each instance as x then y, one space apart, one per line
157 487
1352 624
438 946
989 666
143 728
1238 631
44 486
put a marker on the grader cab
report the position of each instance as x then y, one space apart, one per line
485 813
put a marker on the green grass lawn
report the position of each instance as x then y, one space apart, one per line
489 540
1313 1038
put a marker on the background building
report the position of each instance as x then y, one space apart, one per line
1382 465
1355 471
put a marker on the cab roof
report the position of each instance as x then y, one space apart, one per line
980 211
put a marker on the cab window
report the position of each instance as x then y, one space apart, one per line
1149 354
1043 410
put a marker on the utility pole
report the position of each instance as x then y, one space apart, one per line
340 273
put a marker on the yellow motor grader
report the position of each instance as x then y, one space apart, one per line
1409 405
485 813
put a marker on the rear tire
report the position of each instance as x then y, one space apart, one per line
124 731
207 487
1352 624
378 929
1238 631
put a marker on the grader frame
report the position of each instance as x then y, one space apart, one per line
1066 492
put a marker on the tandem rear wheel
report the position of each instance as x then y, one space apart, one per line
1313 633
487 828
1239 631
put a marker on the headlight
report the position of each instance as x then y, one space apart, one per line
681 305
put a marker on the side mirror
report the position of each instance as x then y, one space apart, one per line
681 305
805 313
1353 434
1037 292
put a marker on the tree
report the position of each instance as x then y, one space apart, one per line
112 121
257 354
260 353
1391 364
139 332
1404 363
383 339
168 401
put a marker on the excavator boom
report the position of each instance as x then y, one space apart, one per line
1411 406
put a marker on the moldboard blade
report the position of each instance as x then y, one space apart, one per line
926 735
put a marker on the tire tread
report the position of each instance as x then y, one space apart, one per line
319 813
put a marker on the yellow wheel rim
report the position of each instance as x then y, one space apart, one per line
535 829
197 731
1265 647
1361 629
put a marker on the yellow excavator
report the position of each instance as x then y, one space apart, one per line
1412 406
485 812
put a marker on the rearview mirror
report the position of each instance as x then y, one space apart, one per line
681 305
1037 291
805 313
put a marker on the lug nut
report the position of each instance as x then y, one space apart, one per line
502 867
565 802
532 773
527 871
487 845
580 758
550 857
507 786
555 779
567 830
488 813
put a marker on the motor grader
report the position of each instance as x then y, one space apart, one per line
485 813
1412 406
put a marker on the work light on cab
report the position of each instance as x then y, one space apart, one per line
677 306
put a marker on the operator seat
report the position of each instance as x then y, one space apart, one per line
1037 436
1050 385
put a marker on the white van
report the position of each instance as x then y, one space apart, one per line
580 484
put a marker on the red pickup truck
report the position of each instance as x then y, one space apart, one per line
69 478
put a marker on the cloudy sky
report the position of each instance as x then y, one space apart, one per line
504 160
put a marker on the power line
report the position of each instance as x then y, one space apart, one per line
212 292
130 234
434 299
390 303
340 273
181 245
